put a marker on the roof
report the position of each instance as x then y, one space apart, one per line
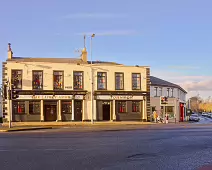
60 60
160 82
52 60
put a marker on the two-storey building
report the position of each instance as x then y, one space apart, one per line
59 89
176 107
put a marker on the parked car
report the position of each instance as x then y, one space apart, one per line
204 114
194 117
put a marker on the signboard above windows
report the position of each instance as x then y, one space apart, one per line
51 97
118 97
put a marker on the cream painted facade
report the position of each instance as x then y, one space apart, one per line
175 101
47 66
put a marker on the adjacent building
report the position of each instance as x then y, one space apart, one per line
60 89
176 107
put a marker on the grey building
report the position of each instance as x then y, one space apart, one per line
176 107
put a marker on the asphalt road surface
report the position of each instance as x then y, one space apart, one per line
165 149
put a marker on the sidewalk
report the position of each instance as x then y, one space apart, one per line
13 129
87 126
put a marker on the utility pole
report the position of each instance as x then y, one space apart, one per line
9 96
92 90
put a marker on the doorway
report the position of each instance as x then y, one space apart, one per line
50 112
106 110
78 110
181 112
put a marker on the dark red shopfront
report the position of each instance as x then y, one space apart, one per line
182 111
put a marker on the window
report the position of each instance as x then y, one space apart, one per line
17 79
167 92
78 80
34 107
136 106
136 81
66 107
37 79
122 107
172 92
119 81
101 80
160 91
58 79
19 107
155 91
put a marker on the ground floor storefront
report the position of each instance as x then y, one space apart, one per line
175 109
76 106
48 107
121 107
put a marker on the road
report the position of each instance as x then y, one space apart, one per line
177 148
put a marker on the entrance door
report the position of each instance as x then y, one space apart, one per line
181 112
78 110
50 112
106 110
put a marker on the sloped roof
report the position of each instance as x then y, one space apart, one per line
59 60
52 60
160 82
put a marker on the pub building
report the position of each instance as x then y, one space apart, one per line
59 89
130 99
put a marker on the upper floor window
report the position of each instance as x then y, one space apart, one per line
101 80
119 81
168 92
178 93
172 92
160 91
155 91
17 79
78 80
136 106
37 79
136 81
58 79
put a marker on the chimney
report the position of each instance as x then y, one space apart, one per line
84 55
9 52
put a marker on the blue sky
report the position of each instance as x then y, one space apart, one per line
174 37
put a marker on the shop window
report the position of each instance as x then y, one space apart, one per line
37 79
78 80
66 108
136 81
119 81
34 107
122 107
58 80
19 107
101 80
136 106
17 79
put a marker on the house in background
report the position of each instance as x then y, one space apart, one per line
176 107
60 89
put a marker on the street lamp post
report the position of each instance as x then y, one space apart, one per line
92 90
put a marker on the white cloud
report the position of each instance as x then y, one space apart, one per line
94 16
110 33
192 84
